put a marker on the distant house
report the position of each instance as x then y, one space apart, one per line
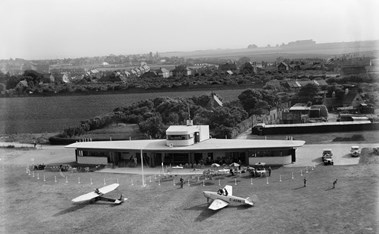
248 67
181 70
353 69
149 74
318 113
295 67
66 78
52 78
228 66
351 98
133 72
303 113
320 82
145 67
163 72
204 70
21 86
298 113
301 108
283 67
121 76
297 84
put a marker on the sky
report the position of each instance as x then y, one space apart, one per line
48 29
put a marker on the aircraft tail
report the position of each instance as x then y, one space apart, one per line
252 199
249 201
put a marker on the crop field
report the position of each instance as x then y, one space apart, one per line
42 203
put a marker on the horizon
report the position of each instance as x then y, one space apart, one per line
181 51
57 29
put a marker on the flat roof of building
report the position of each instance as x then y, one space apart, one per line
182 129
210 144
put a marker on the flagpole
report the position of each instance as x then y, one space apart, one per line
143 179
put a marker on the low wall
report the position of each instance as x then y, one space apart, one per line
277 160
243 126
93 160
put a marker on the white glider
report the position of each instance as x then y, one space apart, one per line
98 195
223 197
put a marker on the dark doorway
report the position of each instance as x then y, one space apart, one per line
293 154
198 157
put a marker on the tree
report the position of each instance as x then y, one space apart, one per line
308 92
243 60
12 82
153 127
252 46
249 98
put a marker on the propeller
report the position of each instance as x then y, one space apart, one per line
254 198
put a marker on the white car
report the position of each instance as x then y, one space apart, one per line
258 170
354 151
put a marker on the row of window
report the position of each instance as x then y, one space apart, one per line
264 153
178 137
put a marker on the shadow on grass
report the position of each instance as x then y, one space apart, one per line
71 209
206 183
205 214
80 206
299 187
243 207
245 176
331 188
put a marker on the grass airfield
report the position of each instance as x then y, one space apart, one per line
31 205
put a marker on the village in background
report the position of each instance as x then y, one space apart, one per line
298 82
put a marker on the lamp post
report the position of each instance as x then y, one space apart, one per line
143 178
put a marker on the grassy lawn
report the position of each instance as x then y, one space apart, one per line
30 205
116 131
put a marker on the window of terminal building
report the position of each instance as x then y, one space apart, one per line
95 153
271 153
178 137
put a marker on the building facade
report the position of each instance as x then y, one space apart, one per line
186 144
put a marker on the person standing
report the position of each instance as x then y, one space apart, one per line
305 182
269 171
334 183
181 182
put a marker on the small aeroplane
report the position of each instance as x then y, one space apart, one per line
223 197
97 195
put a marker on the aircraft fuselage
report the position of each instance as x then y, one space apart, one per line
229 199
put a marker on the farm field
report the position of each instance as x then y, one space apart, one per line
283 205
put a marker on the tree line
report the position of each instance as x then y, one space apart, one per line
154 116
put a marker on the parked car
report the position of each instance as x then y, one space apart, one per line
258 170
354 151
327 157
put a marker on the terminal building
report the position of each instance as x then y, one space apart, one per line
186 145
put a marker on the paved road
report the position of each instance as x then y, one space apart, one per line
310 155
25 154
